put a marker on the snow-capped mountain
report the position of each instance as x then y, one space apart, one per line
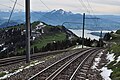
58 17
54 17
61 11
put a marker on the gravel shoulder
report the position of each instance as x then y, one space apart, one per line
94 73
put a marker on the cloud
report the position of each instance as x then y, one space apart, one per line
99 6
107 2
105 8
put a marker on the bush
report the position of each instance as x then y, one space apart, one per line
118 32
2 74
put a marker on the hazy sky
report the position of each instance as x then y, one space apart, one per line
98 6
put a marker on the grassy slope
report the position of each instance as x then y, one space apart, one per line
115 48
49 39
59 36
39 43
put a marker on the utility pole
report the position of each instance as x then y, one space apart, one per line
83 30
83 23
101 39
84 26
27 31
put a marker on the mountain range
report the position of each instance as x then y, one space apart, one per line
58 17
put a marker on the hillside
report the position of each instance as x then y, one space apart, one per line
43 37
114 47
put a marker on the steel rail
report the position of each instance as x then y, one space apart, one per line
71 78
37 74
63 67
12 60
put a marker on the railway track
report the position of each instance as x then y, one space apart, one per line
68 67
81 71
13 60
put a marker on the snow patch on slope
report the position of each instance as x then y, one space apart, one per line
105 71
110 57
8 74
97 61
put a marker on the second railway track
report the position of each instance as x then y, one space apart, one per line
67 68
16 59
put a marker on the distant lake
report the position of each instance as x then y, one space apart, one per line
89 33
97 33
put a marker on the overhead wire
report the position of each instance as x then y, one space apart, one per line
89 11
45 5
81 1
11 13
17 3
84 6
93 15
111 20
49 9
98 21
31 10
5 6
100 18
38 13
